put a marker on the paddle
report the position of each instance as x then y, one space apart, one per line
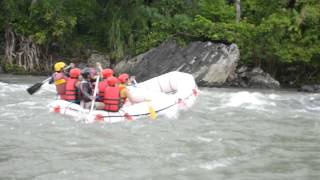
94 92
152 112
34 88
31 90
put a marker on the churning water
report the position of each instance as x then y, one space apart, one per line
228 134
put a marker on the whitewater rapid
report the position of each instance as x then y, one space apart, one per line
228 134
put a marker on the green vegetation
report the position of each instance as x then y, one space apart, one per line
273 34
14 68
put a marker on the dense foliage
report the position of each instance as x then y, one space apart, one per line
270 33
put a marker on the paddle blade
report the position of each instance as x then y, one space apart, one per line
152 112
31 90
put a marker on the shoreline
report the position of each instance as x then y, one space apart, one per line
16 78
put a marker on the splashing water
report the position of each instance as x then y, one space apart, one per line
228 134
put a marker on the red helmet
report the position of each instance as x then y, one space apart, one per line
107 73
74 73
112 80
123 77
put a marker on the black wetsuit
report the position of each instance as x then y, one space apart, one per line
86 90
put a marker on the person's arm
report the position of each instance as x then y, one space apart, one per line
132 81
68 68
100 70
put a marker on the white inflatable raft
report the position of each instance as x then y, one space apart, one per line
167 93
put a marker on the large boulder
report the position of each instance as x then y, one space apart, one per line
257 78
246 77
211 64
315 88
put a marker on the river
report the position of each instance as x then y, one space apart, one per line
228 134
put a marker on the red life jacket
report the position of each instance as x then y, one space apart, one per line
60 82
102 86
112 100
71 89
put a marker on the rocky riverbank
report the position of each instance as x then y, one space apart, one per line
212 65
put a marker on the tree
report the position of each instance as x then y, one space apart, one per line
31 27
238 10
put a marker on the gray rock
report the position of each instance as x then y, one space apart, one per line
310 88
242 69
263 80
211 64
256 70
243 74
253 78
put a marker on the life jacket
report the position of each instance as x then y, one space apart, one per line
122 87
60 82
111 99
71 90
102 86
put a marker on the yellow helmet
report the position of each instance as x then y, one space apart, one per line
59 66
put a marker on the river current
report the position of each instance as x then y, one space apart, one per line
235 134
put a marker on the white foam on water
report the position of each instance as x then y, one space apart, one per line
182 169
71 142
9 114
204 139
313 108
213 132
3 84
47 88
214 108
30 104
212 165
217 163
176 155
246 97
312 103
5 87
273 96
172 112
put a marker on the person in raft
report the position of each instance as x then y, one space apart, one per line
106 73
115 95
59 77
111 100
86 88
124 92
72 87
